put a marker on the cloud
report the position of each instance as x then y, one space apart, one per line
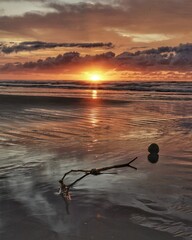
177 58
65 62
125 22
182 48
37 45
138 47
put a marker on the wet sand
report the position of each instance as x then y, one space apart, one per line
111 224
43 137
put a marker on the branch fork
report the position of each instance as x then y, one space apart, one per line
64 189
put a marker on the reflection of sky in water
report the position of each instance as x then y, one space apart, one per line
41 143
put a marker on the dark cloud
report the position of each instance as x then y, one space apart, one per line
37 45
134 48
65 62
182 48
177 58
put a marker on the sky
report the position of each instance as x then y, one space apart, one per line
118 39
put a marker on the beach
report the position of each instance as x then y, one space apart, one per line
45 132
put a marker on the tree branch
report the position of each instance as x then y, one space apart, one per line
64 189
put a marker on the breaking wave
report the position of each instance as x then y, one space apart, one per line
171 86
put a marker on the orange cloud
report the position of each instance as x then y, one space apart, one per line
163 62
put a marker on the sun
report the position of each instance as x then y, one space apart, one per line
95 77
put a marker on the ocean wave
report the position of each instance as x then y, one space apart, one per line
171 86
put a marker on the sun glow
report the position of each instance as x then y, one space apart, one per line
95 77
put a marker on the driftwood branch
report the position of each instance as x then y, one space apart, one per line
84 171
64 189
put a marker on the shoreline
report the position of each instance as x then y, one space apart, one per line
6 99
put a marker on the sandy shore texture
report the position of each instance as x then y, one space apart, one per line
42 137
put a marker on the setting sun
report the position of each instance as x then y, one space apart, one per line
95 77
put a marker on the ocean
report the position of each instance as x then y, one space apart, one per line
50 127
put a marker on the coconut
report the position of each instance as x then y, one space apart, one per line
153 148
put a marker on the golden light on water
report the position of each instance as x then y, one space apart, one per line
93 116
94 94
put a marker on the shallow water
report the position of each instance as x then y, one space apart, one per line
41 140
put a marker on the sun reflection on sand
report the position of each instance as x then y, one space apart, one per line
94 94
94 124
93 117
